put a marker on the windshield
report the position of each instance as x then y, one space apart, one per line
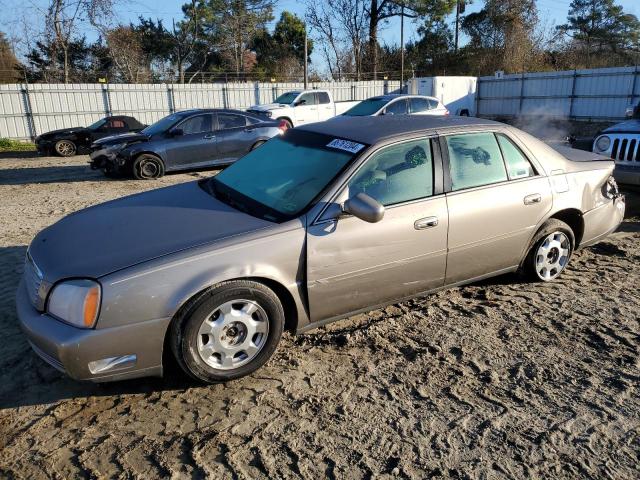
163 124
287 98
366 107
279 180
97 125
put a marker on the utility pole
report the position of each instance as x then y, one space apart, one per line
306 75
402 48
460 6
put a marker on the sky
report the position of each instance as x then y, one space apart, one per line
17 13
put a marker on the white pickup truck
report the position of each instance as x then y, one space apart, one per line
303 106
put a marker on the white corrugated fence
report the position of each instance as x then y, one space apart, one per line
29 110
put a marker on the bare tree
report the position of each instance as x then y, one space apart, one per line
127 54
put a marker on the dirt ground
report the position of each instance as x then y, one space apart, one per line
503 379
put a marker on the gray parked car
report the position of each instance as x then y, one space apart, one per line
184 140
325 221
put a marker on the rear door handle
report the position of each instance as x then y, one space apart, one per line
426 222
209 137
532 199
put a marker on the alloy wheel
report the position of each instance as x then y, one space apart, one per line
233 334
552 256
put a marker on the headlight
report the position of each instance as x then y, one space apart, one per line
115 147
603 143
76 302
268 113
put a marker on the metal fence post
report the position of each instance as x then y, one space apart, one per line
106 99
521 101
225 100
633 85
31 124
573 93
170 99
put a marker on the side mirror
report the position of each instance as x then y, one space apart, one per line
387 113
176 132
364 207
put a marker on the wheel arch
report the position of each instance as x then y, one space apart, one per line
288 303
574 218
283 117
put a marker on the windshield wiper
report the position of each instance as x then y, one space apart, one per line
227 198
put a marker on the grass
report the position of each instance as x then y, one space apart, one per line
8 145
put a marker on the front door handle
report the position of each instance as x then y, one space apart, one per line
426 222
209 136
532 199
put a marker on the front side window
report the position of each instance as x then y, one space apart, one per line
397 173
281 178
197 124
307 99
517 164
399 107
229 120
419 105
475 160
116 124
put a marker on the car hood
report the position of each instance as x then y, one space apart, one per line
115 235
630 126
63 131
128 137
269 106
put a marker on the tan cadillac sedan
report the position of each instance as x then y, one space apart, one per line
320 223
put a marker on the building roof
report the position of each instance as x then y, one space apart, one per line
371 130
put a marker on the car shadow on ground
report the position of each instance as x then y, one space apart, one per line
19 154
56 174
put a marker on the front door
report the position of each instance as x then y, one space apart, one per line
496 200
195 147
306 109
352 264
326 109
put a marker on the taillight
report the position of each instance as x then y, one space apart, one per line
283 126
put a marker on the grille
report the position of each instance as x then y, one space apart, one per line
626 150
32 279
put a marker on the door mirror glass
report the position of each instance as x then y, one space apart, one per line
364 207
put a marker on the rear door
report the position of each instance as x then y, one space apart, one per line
326 109
495 201
234 136
419 106
352 264
397 107
307 111
195 147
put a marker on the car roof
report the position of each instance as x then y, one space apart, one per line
193 111
371 130
392 96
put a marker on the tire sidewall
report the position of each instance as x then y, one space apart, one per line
549 227
186 331
147 157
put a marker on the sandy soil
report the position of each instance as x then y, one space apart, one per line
502 379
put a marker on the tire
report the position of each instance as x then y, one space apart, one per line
257 144
227 332
65 148
287 121
550 251
147 167
464 113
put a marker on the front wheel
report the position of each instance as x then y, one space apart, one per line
65 148
287 123
550 252
147 167
228 332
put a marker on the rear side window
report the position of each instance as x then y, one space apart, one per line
323 97
433 104
517 164
475 160
398 107
197 124
419 105
397 173
229 120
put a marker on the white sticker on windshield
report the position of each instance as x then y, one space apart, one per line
352 147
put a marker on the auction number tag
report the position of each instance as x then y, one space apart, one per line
346 145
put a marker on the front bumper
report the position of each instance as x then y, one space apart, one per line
627 175
71 349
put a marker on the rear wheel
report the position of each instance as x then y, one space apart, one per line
147 167
257 144
550 251
65 148
228 332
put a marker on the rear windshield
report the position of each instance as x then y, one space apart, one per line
279 180
366 107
